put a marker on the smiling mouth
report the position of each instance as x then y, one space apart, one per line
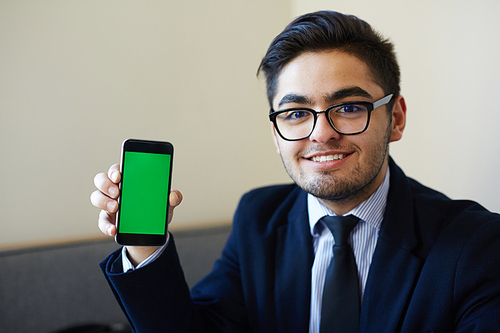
327 158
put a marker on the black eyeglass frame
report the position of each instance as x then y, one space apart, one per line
369 106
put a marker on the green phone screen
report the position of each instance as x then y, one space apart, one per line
144 193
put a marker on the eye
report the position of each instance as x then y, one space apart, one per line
295 115
351 108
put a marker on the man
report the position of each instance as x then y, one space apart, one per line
423 262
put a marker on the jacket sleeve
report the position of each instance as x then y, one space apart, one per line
237 296
156 297
153 296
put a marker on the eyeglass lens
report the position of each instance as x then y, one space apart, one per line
297 124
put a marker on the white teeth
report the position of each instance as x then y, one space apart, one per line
325 158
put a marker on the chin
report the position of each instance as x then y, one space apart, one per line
331 191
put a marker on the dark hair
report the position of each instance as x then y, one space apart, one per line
328 30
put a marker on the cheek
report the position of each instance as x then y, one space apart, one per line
277 145
287 150
275 139
379 131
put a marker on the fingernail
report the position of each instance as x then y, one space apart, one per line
114 176
111 206
110 229
113 191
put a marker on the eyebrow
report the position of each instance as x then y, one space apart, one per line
347 92
294 98
332 98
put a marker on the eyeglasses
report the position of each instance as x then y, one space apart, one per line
345 118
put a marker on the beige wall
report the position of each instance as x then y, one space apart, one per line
448 52
78 77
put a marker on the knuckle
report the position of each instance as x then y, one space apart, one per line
102 226
94 198
98 199
99 180
103 221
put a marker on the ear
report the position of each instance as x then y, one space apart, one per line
275 139
398 119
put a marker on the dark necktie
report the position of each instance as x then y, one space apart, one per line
341 300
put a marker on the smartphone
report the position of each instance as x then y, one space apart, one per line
146 168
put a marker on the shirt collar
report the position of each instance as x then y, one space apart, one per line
371 210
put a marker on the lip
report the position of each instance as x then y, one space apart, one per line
329 164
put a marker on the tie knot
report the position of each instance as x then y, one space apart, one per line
341 227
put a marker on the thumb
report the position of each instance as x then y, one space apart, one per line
174 200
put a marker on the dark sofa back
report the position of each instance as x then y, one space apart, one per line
49 288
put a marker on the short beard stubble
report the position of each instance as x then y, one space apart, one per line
330 187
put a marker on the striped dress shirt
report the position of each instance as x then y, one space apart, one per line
363 240
128 266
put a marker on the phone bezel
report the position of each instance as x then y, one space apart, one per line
143 146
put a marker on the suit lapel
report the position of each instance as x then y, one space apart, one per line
294 258
394 269
391 281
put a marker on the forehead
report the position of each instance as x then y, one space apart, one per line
316 75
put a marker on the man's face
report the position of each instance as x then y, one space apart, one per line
317 81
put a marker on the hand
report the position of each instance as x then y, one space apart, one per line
106 198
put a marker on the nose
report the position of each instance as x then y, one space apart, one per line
323 132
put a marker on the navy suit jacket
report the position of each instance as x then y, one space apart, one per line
436 268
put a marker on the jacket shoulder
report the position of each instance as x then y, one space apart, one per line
270 203
428 214
273 193
427 199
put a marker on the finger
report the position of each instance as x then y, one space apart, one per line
174 200
106 223
102 201
114 173
106 186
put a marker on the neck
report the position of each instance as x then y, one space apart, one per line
345 205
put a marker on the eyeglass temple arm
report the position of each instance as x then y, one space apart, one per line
382 101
